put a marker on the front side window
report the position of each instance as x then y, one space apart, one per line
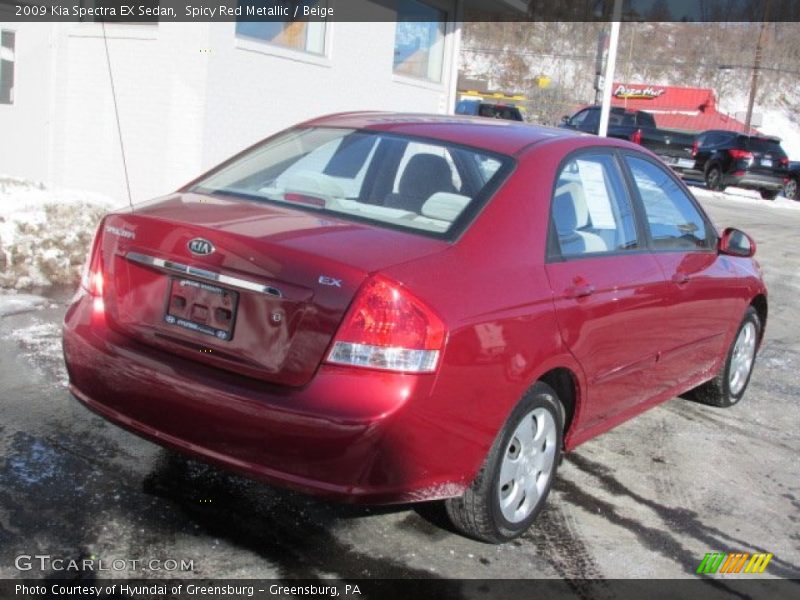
386 179
577 120
7 44
306 36
592 120
591 212
674 221
419 40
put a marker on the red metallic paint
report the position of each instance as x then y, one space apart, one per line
268 406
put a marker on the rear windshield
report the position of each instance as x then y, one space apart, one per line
500 112
761 145
395 181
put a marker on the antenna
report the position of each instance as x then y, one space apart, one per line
116 114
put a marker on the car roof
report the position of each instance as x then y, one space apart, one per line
501 136
757 136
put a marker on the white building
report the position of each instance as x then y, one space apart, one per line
191 94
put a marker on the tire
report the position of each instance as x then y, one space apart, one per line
769 194
714 179
790 190
730 384
480 512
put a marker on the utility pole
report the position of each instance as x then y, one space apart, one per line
602 41
611 63
756 67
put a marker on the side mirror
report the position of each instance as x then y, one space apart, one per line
565 119
735 242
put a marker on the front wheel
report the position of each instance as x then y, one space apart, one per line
790 189
517 475
769 194
728 387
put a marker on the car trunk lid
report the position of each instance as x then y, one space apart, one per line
263 292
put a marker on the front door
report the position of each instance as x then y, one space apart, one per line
608 288
699 310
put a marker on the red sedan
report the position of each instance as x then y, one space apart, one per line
391 308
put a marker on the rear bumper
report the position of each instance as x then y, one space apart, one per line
349 435
754 181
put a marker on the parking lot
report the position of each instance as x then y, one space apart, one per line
648 499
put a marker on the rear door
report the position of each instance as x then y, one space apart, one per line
707 144
699 311
608 288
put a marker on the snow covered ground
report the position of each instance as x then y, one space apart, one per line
45 233
746 197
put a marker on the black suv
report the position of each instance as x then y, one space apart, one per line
724 158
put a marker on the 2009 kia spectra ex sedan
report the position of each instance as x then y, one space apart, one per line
391 308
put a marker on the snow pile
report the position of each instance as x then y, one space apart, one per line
45 233
12 303
40 343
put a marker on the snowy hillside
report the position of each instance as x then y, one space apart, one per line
517 57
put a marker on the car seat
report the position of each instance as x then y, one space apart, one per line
424 175
571 218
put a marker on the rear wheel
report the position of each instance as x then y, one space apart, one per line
517 475
790 189
714 179
728 387
769 194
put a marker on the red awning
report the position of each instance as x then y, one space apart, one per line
688 108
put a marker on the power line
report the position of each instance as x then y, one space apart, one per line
116 114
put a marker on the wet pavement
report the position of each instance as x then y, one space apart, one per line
648 499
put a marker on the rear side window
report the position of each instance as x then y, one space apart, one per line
591 212
674 221
579 118
387 179
762 145
500 112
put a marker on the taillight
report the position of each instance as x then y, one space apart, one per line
93 279
740 154
695 148
636 136
784 162
388 328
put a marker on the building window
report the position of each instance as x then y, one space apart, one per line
419 40
306 36
7 41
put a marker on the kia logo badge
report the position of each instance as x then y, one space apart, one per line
200 246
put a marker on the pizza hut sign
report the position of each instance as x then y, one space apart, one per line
638 93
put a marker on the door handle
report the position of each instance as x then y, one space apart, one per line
579 291
680 278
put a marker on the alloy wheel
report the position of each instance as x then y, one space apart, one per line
744 352
790 189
